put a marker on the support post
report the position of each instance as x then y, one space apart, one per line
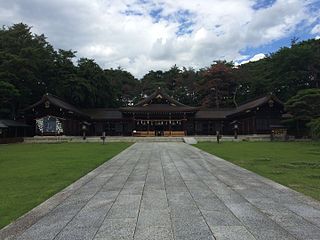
148 123
170 124
103 137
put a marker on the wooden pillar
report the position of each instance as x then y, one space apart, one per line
134 122
170 123
148 123
194 127
183 124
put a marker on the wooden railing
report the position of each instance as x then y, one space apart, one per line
175 133
165 134
144 134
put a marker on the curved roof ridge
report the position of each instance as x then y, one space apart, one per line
55 100
155 94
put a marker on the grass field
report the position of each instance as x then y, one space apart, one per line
293 164
31 173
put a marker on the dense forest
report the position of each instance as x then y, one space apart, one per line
30 66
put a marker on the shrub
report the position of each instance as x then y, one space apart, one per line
314 126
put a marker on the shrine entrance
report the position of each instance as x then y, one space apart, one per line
159 130
159 127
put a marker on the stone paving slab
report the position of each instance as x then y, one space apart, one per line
170 191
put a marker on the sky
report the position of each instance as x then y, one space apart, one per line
144 35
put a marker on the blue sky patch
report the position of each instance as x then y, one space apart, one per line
276 45
263 4
132 13
156 14
185 19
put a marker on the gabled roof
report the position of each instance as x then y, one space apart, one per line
151 104
57 102
212 113
256 103
4 123
159 94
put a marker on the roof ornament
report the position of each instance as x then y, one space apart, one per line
47 104
271 103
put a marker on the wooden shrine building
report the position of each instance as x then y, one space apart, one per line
157 115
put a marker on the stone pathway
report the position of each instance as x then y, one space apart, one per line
173 191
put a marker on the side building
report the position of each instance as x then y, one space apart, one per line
157 115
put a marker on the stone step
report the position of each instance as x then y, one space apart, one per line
193 139
190 140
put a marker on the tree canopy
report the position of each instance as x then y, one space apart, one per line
305 108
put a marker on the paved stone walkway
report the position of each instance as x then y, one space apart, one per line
175 191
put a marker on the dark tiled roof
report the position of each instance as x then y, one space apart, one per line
11 123
57 102
220 114
163 95
103 113
159 108
2 125
170 105
212 114
146 105
255 103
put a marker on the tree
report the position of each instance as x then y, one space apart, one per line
218 85
185 89
64 74
295 68
282 73
26 62
125 86
304 107
98 92
8 92
314 126
151 81
254 79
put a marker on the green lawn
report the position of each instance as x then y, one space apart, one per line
31 173
294 164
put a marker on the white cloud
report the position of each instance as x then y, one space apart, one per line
316 29
255 58
123 33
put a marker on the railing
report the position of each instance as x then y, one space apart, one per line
165 134
144 134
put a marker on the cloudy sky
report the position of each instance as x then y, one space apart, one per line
140 35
